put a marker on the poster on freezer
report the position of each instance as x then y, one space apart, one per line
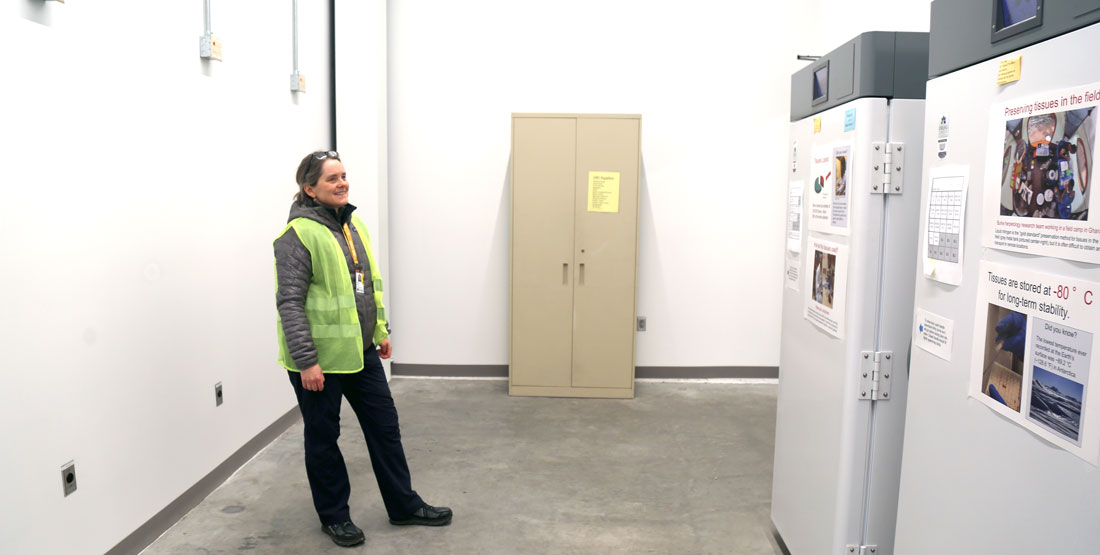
842 177
827 276
794 216
944 224
1033 361
1039 175
831 170
794 232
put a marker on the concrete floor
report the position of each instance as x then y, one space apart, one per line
683 468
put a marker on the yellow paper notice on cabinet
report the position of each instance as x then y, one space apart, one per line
603 191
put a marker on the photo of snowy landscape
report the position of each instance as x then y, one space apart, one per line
1056 403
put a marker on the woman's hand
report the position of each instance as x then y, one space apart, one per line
313 379
384 348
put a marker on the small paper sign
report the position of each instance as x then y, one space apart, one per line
603 191
934 333
849 119
1009 70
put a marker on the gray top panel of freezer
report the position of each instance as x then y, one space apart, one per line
875 64
962 30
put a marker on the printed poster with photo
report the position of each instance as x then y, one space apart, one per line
842 177
827 277
1039 175
1033 362
831 171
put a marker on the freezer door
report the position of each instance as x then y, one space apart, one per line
823 430
973 481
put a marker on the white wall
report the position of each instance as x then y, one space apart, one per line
834 22
143 188
361 106
711 81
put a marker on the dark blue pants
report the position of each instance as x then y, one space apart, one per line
370 398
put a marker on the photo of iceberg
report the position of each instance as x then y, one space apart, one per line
1056 403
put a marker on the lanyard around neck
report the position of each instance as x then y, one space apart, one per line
351 246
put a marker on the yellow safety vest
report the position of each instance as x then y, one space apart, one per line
330 301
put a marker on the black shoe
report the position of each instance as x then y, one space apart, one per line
426 515
346 534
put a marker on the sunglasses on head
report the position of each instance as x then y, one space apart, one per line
321 155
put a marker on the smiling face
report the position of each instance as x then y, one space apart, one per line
331 188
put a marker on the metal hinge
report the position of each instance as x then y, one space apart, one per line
862 549
888 163
875 368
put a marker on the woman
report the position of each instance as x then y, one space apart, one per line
332 331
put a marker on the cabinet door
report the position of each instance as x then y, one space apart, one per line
606 255
543 161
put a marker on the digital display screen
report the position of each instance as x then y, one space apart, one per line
821 83
1016 11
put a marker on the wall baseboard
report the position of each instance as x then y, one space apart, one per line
147 533
650 372
451 370
706 372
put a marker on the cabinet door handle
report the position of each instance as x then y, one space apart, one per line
564 273
581 280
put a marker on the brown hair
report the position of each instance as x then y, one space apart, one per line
309 172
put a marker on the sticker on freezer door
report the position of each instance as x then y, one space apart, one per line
942 136
1033 361
1039 175
792 271
934 333
832 175
827 268
944 218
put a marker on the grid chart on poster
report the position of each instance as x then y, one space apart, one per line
944 218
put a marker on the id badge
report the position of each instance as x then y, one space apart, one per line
359 287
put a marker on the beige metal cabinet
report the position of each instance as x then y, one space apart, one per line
574 254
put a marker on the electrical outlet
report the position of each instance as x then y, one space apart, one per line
218 394
641 323
210 47
68 477
297 82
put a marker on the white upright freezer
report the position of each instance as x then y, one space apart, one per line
1002 431
852 215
